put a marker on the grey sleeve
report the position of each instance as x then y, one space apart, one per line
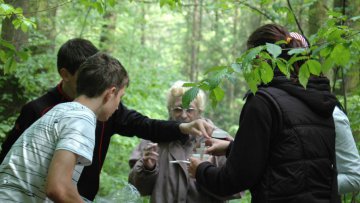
143 179
347 155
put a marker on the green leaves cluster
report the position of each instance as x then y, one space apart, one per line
10 55
334 45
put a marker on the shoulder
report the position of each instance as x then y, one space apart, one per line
43 103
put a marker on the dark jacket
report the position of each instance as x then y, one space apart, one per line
124 122
283 152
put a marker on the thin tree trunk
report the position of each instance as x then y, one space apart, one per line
195 40
107 30
317 15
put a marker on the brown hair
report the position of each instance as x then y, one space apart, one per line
100 72
272 33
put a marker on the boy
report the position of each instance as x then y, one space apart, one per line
47 160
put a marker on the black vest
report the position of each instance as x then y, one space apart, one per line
301 166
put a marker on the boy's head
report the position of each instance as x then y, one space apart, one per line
102 76
70 56
98 73
73 53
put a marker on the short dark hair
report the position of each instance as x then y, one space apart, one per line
98 73
73 53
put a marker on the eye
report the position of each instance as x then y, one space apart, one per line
177 110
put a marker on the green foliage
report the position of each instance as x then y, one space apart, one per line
10 57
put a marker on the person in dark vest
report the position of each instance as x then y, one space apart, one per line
284 149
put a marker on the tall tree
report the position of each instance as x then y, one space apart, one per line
317 15
107 31
10 87
195 40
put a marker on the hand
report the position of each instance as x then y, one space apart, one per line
217 147
150 156
198 127
194 163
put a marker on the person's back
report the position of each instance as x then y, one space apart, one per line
302 154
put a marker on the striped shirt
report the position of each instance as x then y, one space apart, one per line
68 126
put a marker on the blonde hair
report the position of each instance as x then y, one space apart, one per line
177 90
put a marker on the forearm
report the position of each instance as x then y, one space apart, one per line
65 195
131 123
143 179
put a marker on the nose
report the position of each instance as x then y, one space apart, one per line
183 114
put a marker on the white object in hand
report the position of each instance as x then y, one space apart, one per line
179 161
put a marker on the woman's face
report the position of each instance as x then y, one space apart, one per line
178 113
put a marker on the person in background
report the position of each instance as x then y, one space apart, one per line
347 155
284 149
124 121
152 172
47 159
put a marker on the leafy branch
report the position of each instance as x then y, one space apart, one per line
333 45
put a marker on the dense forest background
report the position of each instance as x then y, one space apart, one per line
159 42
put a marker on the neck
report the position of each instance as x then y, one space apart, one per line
92 103
67 90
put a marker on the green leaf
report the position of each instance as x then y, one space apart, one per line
6 8
253 79
296 51
189 84
295 58
304 75
23 55
335 35
341 55
325 51
24 27
355 18
282 67
273 49
218 93
7 45
3 56
328 64
10 65
314 67
252 53
236 67
266 72
189 96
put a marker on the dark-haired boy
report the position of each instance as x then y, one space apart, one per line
48 158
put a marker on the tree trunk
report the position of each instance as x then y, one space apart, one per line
107 30
10 87
46 25
317 15
195 39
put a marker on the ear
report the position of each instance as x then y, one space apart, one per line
110 92
65 74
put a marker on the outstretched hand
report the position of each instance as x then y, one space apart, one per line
150 156
217 147
198 127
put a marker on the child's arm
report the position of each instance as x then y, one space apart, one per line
59 185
